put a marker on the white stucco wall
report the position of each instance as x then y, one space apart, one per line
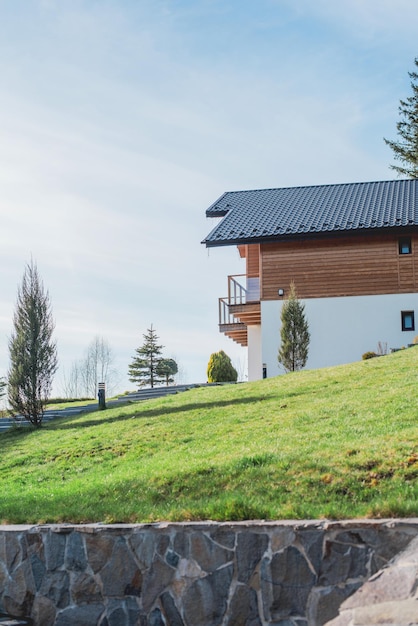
341 329
255 362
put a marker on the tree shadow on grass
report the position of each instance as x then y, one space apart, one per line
73 422
80 421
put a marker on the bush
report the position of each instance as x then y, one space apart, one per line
369 355
220 369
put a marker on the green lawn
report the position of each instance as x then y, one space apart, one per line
336 443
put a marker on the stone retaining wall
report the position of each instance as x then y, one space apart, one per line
197 574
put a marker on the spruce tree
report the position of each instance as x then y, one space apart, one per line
220 369
143 369
294 333
406 150
33 353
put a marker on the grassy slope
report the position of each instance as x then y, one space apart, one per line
338 443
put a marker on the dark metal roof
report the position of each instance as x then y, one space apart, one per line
294 212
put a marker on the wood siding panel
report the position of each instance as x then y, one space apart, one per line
253 260
349 266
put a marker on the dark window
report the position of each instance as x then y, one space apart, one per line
408 320
405 245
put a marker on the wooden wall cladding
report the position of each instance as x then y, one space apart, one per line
343 266
253 260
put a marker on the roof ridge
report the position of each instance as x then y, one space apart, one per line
362 182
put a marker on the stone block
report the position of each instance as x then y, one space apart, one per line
38 570
122 613
312 543
75 555
43 611
56 587
343 561
155 618
249 552
99 549
162 544
286 582
84 589
120 576
181 544
19 590
10 551
144 547
208 554
172 558
282 538
224 536
170 611
324 602
35 544
205 601
155 581
133 612
243 608
54 550
86 615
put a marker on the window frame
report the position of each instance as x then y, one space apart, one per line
404 242
404 316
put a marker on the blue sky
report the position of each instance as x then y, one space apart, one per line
122 121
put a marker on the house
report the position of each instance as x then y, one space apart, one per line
352 252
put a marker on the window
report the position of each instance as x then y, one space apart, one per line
408 320
405 245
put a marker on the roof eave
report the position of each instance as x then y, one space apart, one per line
329 234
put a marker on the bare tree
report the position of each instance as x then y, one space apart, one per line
73 383
97 366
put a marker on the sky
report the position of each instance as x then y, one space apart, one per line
122 121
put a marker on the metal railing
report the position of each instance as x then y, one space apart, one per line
225 317
238 294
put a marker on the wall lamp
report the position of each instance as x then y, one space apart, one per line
281 292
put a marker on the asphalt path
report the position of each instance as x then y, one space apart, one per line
20 422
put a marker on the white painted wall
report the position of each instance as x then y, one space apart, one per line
255 362
341 329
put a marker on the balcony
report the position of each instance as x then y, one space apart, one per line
241 308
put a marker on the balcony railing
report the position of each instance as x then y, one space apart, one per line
238 294
225 317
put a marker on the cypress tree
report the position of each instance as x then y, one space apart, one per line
33 353
294 333
3 385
